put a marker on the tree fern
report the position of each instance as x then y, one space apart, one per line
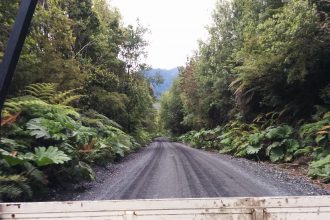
48 92
43 91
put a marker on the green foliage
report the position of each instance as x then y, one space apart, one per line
13 186
91 60
317 133
41 156
257 78
11 159
43 91
44 137
94 119
142 137
321 169
243 140
48 92
35 107
274 143
171 110
78 95
51 155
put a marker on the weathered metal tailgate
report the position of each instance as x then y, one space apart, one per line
291 208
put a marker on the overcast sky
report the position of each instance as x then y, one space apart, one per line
175 26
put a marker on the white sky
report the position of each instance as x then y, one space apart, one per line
176 26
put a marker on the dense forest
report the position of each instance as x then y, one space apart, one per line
79 96
259 86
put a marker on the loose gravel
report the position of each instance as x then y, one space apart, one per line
173 170
295 185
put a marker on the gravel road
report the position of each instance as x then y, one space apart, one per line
173 170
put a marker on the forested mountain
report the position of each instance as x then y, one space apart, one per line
259 87
78 97
167 77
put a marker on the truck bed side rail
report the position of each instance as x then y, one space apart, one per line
270 208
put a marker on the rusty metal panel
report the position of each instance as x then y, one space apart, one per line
272 208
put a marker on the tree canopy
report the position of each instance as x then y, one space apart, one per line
84 45
266 58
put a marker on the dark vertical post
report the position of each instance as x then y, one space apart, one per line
15 45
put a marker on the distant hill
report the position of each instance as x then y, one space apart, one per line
168 76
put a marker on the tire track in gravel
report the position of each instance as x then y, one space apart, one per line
209 182
222 181
137 188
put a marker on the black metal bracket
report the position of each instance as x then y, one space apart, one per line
15 45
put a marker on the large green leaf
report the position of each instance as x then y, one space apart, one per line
36 129
280 132
291 145
276 154
56 129
47 156
270 147
255 139
253 149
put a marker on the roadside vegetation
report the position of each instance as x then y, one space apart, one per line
259 86
78 98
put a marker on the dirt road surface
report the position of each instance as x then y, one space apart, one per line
173 170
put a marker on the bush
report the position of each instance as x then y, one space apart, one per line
45 143
274 143
321 169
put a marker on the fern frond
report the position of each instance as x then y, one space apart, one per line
93 117
13 186
66 110
65 97
43 91
70 99
15 105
